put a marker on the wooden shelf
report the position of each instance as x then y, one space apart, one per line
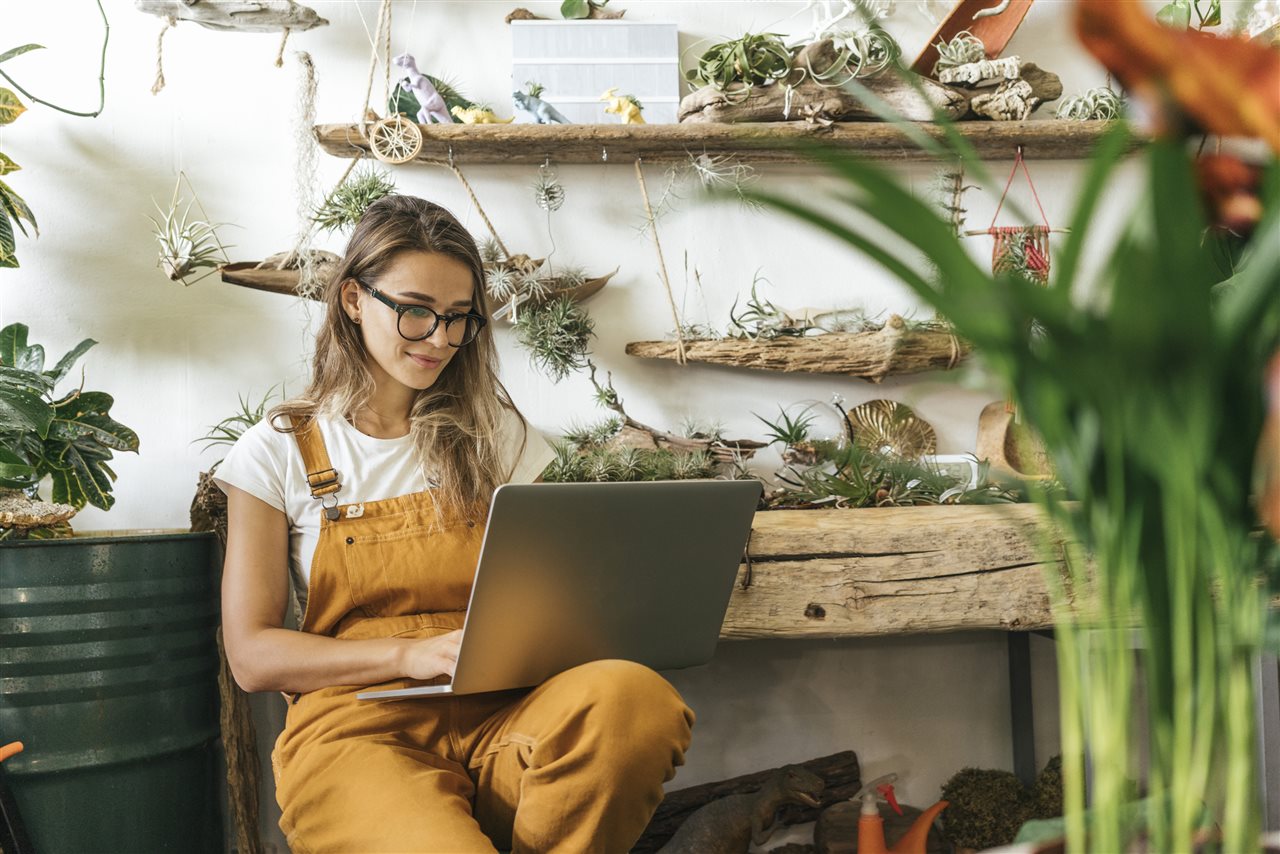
891 571
772 142
871 356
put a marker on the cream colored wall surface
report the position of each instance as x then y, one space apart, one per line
176 358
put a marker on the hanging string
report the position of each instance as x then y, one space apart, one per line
284 37
662 264
384 21
169 23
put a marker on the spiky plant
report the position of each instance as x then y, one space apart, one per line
229 430
187 245
1100 103
557 335
761 319
788 430
348 202
490 250
501 282
963 49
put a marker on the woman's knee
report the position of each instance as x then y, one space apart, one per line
635 699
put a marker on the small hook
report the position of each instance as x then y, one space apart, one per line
604 154
451 156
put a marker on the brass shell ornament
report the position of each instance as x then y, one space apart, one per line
887 426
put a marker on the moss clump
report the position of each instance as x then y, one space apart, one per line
986 808
1046 795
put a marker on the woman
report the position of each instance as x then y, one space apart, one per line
373 490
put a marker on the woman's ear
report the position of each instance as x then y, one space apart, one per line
349 298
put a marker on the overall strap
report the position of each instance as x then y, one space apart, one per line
322 479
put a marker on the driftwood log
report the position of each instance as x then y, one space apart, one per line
840 771
891 571
239 741
761 142
830 103
244 16
871 356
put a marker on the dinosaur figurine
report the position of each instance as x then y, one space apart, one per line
537 109
625 106
430 102
732 824
478 116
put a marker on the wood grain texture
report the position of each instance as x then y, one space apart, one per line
871 356
890 571
761 142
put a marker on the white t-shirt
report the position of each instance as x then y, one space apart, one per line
268 465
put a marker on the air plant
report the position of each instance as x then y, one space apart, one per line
1101 102
557 335
861 52
963 49
754 59
187 245
787 430
229 430
593 435
763 320
348 202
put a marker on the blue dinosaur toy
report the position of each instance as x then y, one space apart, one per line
537 109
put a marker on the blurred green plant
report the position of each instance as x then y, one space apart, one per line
1148 394
229 430
68 439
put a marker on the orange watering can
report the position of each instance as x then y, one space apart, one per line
871 825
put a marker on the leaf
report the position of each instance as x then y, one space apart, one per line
575 9
16 207
10 106
19 51
15 471
83 418
14 351
18 378
64 364
1176 15
7 244
23 412
7 165
1213 17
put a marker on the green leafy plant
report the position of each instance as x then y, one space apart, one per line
577 9
1157 456
13 210
574 464
69 439
348 202
1178 14
187 245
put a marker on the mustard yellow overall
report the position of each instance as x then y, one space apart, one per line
574 765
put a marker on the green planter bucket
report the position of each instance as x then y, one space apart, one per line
108 675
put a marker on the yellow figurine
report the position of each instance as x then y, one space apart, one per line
625 106
478 116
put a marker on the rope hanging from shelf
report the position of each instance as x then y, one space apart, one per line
681 359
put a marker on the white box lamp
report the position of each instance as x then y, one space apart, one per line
576 61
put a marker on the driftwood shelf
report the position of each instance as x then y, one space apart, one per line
890 571
1047 139
871 356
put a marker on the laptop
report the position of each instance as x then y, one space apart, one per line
576 572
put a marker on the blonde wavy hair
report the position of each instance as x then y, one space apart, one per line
455 422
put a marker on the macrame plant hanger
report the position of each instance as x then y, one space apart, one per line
1022 248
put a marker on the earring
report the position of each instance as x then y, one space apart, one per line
356 319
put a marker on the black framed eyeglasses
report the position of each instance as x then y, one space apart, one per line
418 322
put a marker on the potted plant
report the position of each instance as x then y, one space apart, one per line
107 651
1148 393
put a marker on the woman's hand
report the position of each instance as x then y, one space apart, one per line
428 658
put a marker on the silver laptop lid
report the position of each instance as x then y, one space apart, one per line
576 572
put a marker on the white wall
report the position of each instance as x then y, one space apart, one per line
176 358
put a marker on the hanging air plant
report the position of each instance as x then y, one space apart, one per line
548 192
348 202
187 245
